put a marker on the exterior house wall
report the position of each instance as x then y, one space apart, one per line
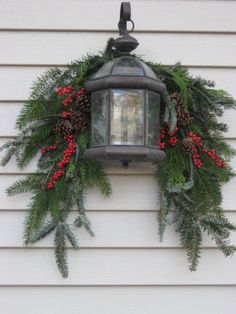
124 269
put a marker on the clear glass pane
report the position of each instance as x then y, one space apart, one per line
99 118
127 117
128 66
152 119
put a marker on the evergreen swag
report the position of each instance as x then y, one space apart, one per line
55 120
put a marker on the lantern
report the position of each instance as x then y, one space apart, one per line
125 101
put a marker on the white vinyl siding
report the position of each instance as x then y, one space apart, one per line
124 268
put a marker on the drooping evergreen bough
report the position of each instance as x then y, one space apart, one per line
55 122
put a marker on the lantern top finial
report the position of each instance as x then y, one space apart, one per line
125 43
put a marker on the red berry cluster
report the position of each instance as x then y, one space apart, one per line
162 145
66 114
197 139
196 159
71 97
71 93
162 136
171 136
63 90
54 178
70 150
45 149
173 139
219 162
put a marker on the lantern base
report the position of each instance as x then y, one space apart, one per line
125 153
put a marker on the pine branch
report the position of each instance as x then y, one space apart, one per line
13 147
180 76
33 144
163 214
109 51
188 228
82 220
192 240
60 250
96 176
40 234
36 214
10 149
31 183
219 228
70 236
91 172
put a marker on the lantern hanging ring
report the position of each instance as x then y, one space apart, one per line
125 16
125 43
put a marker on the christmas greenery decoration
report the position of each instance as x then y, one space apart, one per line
55 121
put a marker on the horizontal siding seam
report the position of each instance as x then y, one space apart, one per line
114 285
110 172
107 248
63 65
82 247
138 31
107 210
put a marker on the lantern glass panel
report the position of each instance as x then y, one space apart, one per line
128 66
100 118
152 119
127 117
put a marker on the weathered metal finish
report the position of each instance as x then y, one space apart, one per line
125 153
125 15
125 43
126 82
135 75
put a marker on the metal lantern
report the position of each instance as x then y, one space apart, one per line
125 99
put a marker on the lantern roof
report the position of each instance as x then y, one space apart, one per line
125 72
125 66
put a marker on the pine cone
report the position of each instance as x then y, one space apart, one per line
79 121
64 127
83 103
188 145
80 118
175 96
183 117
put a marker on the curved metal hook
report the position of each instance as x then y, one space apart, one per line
125 11
125 16
125 43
